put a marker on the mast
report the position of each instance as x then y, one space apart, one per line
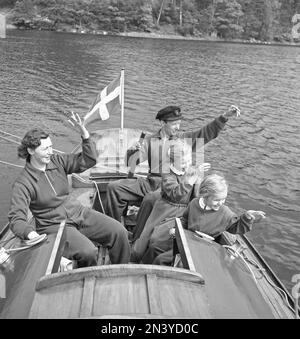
122 98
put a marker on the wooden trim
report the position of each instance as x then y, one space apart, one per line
269 292
183 247
138 316
153 294
121 270
87 303
265 265
55 255
4 231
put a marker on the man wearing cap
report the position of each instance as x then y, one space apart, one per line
134 190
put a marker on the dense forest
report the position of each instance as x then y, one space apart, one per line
258 20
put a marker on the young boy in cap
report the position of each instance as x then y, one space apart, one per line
134 190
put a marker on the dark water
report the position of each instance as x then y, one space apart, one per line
45 75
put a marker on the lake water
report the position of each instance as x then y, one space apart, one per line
46 75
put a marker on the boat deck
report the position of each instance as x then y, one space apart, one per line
233 290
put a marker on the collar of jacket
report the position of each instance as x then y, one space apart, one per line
176 171
203 206
159 135
36 173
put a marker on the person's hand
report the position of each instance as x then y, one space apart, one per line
172 232
201 169
204 167
76 122
191 175
65 264
135 147
256 216
232 111
32 235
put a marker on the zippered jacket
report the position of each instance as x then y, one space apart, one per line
46 193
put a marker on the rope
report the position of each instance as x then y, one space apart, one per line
17 142
280 290
282 293
96 186
27 244
7 139
241 257
12 135
7 240
98 193
16 249
8 163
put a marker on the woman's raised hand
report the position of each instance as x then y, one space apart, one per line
191 175
78 123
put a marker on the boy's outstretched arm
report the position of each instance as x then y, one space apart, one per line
256 216
244 223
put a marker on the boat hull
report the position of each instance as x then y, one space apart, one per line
209 283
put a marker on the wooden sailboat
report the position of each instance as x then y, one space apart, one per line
209 279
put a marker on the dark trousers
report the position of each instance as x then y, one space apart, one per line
160 250
121 192
92 226
164 259
144 212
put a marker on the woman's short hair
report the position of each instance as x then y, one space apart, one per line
32 139
213 184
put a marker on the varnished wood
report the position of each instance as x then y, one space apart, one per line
87 297
22 271
57 250
265 278
97 292
119 271
183 247
153 294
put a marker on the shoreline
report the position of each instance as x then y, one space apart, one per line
206 39
164 34
153 35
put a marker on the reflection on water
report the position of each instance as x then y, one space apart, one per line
45 75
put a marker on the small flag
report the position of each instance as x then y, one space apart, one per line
107 102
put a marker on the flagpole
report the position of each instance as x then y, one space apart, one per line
2 26
122 98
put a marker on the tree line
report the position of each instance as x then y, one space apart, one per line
264 20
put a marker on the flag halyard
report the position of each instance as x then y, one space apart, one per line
107 102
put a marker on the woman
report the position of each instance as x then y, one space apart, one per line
43 187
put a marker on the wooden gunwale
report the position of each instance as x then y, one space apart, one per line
119 270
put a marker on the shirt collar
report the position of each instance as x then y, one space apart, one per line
176 171
202 204
36 173
160 135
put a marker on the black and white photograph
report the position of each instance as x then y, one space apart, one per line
150 162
